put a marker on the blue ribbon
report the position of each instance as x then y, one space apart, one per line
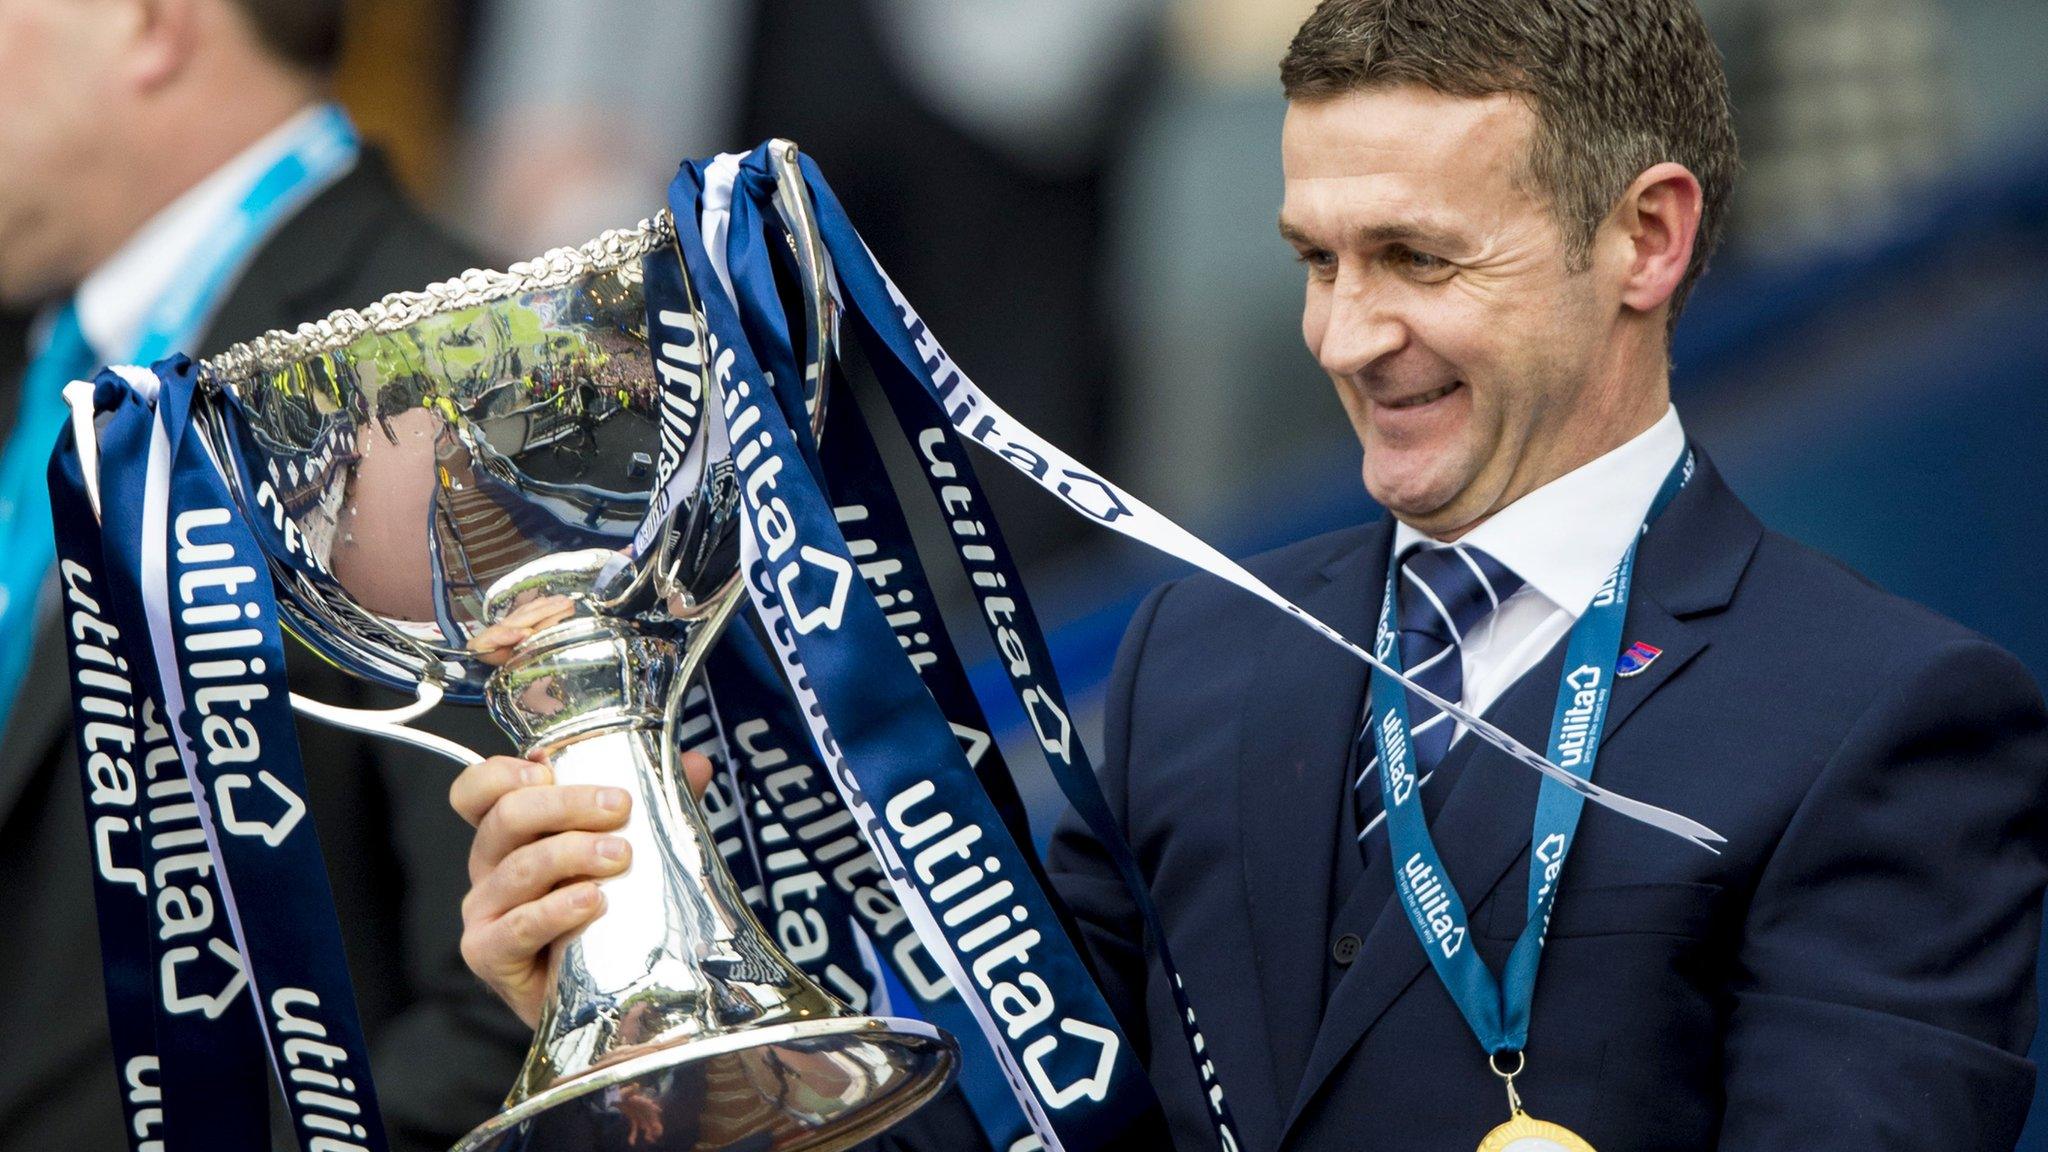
964 880
878 538
699 729
204 600
190 1055
908 373
187 1050
1498 1011
24 501
818 885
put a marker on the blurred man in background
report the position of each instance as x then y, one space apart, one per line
176 181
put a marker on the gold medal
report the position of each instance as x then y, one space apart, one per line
1523 1132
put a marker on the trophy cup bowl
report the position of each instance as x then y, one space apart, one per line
420 469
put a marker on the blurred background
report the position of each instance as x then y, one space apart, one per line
1080 196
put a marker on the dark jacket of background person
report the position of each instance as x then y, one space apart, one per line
1852 971
443 1049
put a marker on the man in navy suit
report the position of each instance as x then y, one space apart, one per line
1500 206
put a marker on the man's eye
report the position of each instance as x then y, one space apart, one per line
1420 265
1321 265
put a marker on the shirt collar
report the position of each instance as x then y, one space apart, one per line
1565 538
115 300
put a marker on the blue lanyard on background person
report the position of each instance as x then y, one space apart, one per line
318 151
24 494
1498 1011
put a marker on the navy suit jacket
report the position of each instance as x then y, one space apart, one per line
1854 970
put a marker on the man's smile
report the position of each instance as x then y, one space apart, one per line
1421 398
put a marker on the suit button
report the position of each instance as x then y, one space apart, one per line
1345 950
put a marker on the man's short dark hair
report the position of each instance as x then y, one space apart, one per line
1616 85
303 33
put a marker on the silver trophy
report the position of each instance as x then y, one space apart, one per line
422 469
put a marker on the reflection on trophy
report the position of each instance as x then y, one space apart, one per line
424 468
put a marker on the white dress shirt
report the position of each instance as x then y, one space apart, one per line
114 302
1563 540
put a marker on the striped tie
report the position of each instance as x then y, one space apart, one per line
1444 593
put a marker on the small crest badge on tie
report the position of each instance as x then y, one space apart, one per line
1635 658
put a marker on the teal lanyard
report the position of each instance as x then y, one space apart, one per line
1498 1011
319 150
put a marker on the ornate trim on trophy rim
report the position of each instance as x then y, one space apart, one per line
273 351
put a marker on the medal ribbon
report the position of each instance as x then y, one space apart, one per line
1498 1011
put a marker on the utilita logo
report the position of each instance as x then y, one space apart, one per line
994 944
1429 901
774 526
220 657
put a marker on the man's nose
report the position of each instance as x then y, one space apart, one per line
1362 327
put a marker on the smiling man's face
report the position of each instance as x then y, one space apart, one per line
1441 300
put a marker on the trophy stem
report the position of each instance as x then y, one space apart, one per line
673 1012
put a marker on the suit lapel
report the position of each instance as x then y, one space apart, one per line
1301 705
1688 566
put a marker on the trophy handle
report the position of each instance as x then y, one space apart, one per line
390 722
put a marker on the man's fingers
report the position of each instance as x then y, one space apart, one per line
697 770
485 782
526 814
532 871
506 953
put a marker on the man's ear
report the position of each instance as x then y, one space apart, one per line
162 36
1657 223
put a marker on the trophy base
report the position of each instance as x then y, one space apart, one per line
808 1086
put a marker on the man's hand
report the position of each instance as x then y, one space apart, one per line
540 849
